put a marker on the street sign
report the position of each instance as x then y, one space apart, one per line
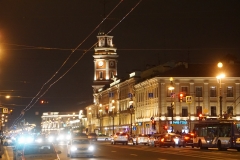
5 110
188 99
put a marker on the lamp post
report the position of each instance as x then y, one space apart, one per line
219 78
113 107
100 117
171 88
131 109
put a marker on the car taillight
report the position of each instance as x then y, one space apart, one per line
162 139
186 137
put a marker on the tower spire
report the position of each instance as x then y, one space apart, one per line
102 28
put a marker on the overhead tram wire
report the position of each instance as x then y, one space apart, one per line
123 49
29 106
86 52
26 109
75 50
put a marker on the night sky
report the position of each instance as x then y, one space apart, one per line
36 37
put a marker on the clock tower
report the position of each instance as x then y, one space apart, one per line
105 61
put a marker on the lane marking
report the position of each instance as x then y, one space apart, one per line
5 149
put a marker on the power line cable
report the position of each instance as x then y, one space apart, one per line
29 105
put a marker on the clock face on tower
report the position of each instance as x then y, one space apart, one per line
111 63
100 63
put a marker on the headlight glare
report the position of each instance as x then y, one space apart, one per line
73 148
90 148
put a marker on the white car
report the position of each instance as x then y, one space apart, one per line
103 137
142 139
35 151
79 147
120 138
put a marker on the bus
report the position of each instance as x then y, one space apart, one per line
221 134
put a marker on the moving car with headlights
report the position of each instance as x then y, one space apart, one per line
36 151
25 139
142 139
63 138
78 147
172 139
120 138
7 141
103 137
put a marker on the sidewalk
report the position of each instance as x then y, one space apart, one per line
5 155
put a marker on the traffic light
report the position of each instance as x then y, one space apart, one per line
165 127
200 116
10 111
180 97
43 102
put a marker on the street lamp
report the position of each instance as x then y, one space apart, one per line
131 109
113 107
219 78
100 117
171 88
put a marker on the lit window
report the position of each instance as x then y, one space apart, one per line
229 91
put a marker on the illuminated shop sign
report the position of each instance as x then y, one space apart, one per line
179 122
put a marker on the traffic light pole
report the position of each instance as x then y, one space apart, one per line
172 104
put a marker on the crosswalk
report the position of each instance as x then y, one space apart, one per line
210 154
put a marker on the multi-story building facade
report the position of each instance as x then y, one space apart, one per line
155 106
149 101
54 122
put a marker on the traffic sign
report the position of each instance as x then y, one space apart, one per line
5 110
188 99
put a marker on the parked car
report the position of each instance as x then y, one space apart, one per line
172 139
92 136
120 138
103 137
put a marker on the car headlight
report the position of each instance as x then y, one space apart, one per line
73 148
21 140
90 148
68 137
60 137
29 139
39 140
176 140
50 139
